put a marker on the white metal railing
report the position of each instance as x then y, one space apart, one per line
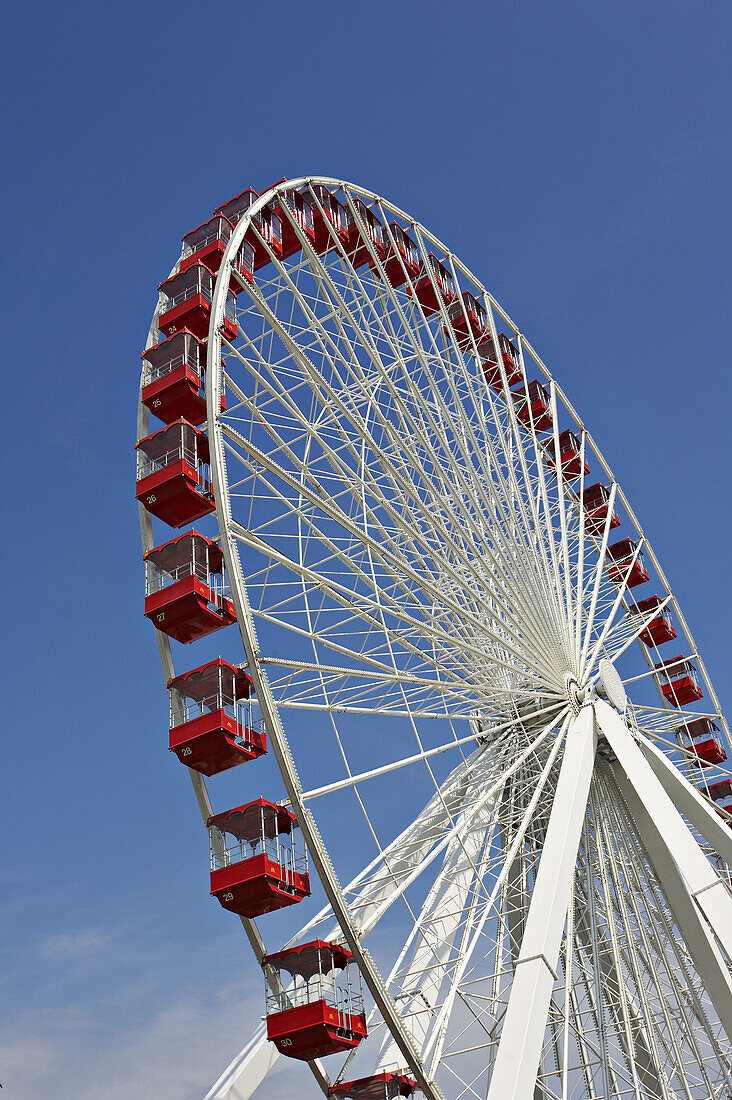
223 233
183 709
672 673
651 613
444 280
341 995
153 373
189 292
625 560
147 466
270 227
204 287
188 711
290 860
157 578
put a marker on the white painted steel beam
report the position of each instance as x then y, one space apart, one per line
247 1071
692 804
704 884
522 1036
696 932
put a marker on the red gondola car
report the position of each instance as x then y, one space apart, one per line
401 259
379 1086
320 1011
702 737
511 365
596 503
660 628
187 303
620 570
265 868
371 227
207 243
185 595
292 206
536 409
570 456
212 727
173 479
234 209
434 285
332 226
722 795
174 379
467 317
679 681
267 225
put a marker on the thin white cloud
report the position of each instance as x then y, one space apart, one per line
77 942
172 1054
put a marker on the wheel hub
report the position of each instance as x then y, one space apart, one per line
575 694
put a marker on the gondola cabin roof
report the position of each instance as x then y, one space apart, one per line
216 221
315 957
160 442
184 279
238 205
723 789
379 1086
170 347
202 682
246 822
176 552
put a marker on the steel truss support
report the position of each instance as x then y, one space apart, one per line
699 900
246 1073
522 1036
693 806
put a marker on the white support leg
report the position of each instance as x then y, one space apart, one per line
522 1036
703 882
696 933
247 1071
691 803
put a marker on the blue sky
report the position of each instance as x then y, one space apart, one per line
576 156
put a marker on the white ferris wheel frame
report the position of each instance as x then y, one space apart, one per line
701 903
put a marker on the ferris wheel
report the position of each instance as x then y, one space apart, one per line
484 775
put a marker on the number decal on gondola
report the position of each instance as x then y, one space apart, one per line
228 896
285 1042
186 751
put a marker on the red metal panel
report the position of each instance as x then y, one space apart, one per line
379 1086
658 631
681 691
207 744
314 1031
173 494
471 319
425 292
358 252
176 395
184 611
257 886
400 259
